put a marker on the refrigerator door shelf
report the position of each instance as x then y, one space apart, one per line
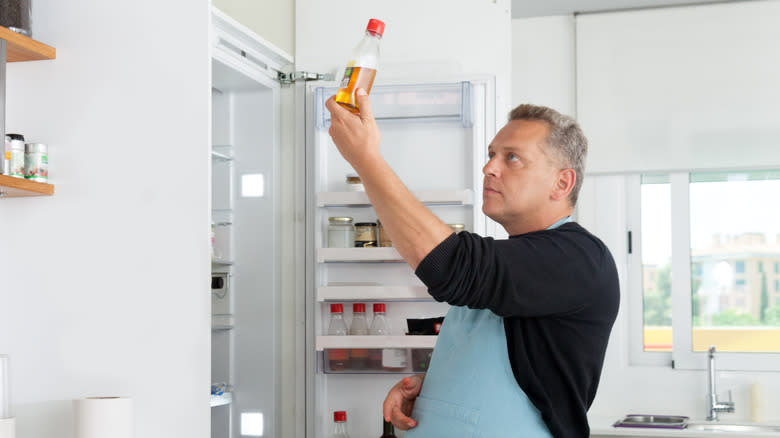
423 102
329 342
377 293
427 197
356 255
221 400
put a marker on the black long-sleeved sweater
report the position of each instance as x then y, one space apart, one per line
558 293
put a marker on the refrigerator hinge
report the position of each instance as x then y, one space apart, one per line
289 78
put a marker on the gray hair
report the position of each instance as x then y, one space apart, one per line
565 140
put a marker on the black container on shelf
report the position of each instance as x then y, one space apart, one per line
16 15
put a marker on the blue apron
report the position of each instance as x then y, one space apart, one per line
470 389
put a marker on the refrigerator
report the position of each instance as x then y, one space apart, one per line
434 135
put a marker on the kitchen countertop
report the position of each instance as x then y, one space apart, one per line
602 426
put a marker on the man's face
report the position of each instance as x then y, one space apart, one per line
519 176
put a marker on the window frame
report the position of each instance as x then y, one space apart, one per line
681 356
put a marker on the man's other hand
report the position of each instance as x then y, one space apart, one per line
400 401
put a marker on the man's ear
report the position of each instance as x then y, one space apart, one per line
564 184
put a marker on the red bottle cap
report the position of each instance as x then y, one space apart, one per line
340 416
379 307
358 307
376 26
336 308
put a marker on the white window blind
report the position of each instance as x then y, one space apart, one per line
693 88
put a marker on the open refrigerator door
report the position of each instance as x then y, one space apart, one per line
435 137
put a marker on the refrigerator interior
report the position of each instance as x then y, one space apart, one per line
435 138
245 216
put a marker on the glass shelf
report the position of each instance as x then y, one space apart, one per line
376 293
427 197
325 255
221 400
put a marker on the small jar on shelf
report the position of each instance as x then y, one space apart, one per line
341 232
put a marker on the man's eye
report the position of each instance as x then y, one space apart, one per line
512 157
491 155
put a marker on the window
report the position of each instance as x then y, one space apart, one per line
656 264
704 238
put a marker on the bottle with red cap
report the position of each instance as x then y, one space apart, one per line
388 359
361 69
359 327
378 328
340 425
338 358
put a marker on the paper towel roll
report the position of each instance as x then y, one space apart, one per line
5 386
103 417
7 429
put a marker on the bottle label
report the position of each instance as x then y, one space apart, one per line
347 76
394 358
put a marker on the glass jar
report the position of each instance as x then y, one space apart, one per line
457 228
355 184
384 239
15 15
16 158
341 232
365 235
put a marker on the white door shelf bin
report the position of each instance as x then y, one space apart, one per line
330 342
427 197
221 400
325 255
373 293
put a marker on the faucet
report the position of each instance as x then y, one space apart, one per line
713 405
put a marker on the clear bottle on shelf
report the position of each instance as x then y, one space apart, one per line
359 327
388 359
378 328
338 358
361 69
340 425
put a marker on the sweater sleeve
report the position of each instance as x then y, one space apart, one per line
535 274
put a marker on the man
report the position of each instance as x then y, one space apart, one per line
521 349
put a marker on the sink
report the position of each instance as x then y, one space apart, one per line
653 421
734 427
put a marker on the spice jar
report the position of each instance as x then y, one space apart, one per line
384 239
15 15
365 235
36 162
457 228
341 232
16 156
355 184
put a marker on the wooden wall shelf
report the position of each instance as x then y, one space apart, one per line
11 187
22 48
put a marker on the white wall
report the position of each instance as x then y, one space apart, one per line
543 63
625 388
423 40
273 19
104 285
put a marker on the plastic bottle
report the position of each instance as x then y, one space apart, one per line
389 359
388 430
340 425
338 358
378 328
361 69
359 327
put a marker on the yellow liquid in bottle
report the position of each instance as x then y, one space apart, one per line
354 78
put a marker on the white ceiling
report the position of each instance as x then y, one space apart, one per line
540 8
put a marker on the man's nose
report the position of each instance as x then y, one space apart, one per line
490 168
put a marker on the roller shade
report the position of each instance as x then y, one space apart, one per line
693 88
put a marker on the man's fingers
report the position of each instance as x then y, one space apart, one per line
364 103
400 420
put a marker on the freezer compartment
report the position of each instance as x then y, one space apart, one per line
424 102
375 361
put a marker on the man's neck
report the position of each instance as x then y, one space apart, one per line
537 223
